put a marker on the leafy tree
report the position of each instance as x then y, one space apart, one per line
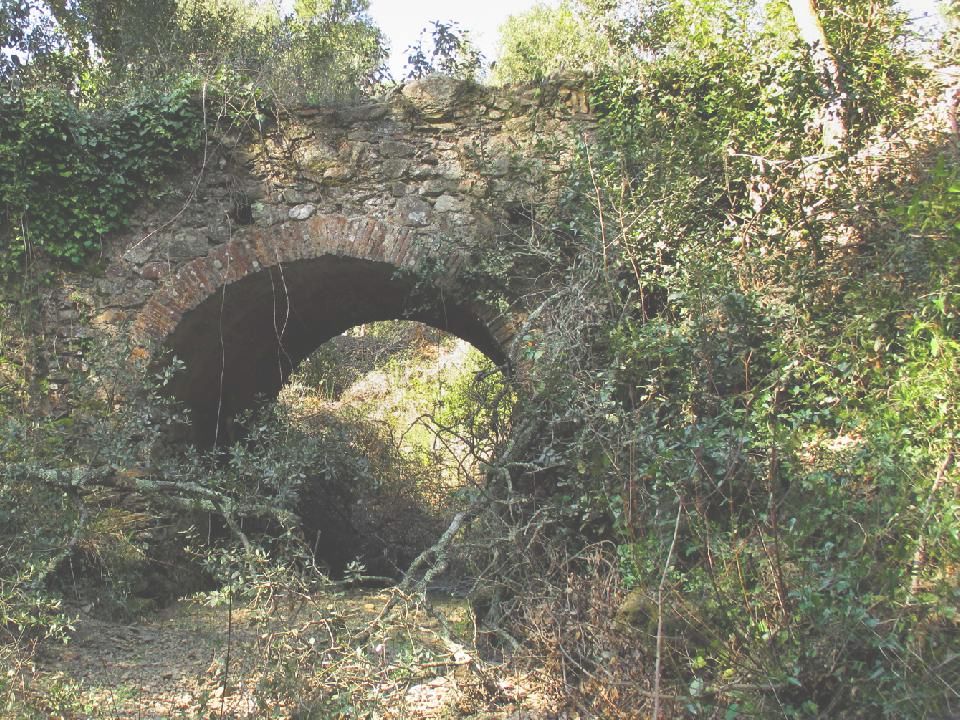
453 53
546 40
834 119
322 49
328 49
35 47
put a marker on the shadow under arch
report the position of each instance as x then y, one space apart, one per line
245 339
245 314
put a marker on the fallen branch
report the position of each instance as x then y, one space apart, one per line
920 555
439 552
663 581
185 494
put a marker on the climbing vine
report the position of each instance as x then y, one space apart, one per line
68 175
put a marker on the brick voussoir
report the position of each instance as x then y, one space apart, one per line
155 321
354 230
326 233
287 243
402 249
361 243
192 285
374 247
231 262
264 248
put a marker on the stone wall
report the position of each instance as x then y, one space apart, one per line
307 219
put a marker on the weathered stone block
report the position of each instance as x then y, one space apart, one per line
450 169
110 317
134 294
109 286
362 113
264 214
413 211
447 203
140 251
338 173
395 167
316 156
155 270
297 196
438 186
302 212
397 149
435 97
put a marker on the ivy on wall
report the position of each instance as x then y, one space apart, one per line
68 176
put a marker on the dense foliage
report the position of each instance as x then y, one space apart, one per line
450 52
70 177
546 40
748 371
98 49
94 110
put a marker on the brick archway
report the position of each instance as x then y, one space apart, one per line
242 317
291 232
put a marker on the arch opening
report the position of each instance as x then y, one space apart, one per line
408 416
243 341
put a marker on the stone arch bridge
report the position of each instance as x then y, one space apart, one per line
331 218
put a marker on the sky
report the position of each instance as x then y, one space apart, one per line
923 11
402 21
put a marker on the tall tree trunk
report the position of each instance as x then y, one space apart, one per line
833 119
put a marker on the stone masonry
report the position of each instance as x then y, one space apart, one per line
287 234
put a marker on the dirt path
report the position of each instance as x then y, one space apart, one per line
169 665
327 656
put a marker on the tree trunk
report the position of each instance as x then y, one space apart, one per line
833 118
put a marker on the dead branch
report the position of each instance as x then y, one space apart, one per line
663 581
